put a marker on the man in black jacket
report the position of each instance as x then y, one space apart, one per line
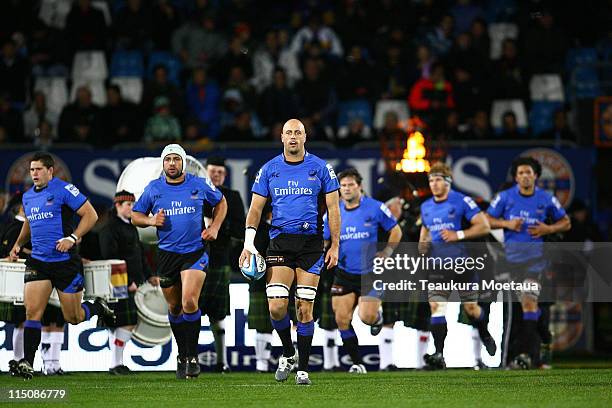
119 240
215 300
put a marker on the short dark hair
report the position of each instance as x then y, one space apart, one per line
526 161
45 158
351 172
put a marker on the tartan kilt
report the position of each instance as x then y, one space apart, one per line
10 313
125 310
258 317
215 299
414 314
463 317
53 315
323 303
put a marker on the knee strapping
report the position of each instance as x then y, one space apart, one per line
277 291
306 293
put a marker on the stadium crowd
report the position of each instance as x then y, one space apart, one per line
127 71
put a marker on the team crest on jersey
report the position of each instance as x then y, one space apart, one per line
312 174
50 199
451 213
194 194
18 177
72 189
557 175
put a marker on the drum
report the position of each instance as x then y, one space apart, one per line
106 279
11 284
153 327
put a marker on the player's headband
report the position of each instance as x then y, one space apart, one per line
446 178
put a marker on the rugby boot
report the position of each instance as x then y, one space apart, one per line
193 368
301 378
285 365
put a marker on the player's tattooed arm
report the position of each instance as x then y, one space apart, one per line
24 236
333 214
219 213
541 229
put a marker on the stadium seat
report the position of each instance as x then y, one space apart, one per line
102 5
502 106
400 107
498 32
54 12
541 116
501 10
89 65
98 91
356 108
586 82
127 64
546 87
580 56
131 88
55 90
172 64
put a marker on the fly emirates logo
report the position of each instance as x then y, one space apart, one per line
178 209
352 233
293 188
36 214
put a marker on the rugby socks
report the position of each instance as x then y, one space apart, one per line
117 341
530 335
263 350
31 339
18 343
305 331
192 325
422 345
283 328
51 347
480 324
177 324
330 350
439 331
385 347
218 331
543 329
351 344
477 344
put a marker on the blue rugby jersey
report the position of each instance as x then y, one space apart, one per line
447 215
539 206
50 213
359 234
295 189
182 204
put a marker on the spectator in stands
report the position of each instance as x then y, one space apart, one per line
356 131
43 135
122 120
198 43
85 27
315 34
37 113
133 26
47 51
268 57
463 54
544 45
440 38
480 39
238 81
162 126
236 56
510 128
422 67
561 130
278 101
239 130
13 72
432 97
317 98
479 126
79 121
161 86
509 80
394 80
470 93
203 98
10 120
356 77
451 127
353 14
165 20
391 129
464 13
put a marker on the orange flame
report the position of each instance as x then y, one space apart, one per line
413 159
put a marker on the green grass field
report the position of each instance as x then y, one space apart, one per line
452 388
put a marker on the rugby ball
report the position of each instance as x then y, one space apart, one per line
256 269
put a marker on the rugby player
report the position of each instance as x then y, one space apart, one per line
441 231
522 211
176 201
361 217
296 182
